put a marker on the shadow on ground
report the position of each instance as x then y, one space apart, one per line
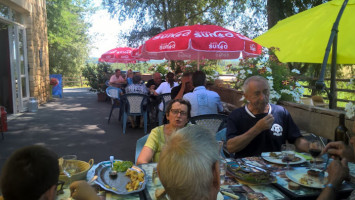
76 124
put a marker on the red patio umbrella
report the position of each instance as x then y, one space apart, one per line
118 55
199 42
137 54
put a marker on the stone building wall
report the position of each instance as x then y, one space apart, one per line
34 17
37 42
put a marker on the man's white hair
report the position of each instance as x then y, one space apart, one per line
254 78
156 73
187 162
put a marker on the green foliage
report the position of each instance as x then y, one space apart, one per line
154 16
210 67
97 75
349 96
283 81
68 39
162 68
252 18
141 67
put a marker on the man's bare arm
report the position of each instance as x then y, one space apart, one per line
181 92
302 144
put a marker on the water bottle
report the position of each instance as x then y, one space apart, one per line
32 105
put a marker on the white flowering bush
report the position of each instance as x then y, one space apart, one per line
350 110
283 82
350 107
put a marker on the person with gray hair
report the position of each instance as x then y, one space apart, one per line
137 88
187 169
260 126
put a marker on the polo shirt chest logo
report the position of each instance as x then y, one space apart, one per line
276 130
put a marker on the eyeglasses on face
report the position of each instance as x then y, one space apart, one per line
175 112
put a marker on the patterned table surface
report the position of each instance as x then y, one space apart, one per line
230 184
277 190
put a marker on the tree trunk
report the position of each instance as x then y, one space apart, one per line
274 9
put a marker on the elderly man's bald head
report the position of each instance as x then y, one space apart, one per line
157 78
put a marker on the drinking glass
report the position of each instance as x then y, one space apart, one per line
288 153
68 166
315 148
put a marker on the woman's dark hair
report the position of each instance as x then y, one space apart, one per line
29 173
170 79
181 101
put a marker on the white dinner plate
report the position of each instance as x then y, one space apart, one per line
266 156
307 181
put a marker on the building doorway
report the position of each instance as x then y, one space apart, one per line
5 70
14 81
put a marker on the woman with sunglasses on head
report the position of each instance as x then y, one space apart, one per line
177 114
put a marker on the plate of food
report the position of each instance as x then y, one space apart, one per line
129 178
251 178
277 158
308 177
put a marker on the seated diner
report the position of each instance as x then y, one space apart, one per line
117 79
194 148
32 173
260 126
177 114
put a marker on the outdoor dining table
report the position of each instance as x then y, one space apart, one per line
276 190
281 184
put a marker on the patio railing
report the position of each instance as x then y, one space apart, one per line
74 81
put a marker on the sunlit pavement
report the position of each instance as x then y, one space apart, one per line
75 124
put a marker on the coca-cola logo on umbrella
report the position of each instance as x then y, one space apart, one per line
169 46
218 34
222 45
173 35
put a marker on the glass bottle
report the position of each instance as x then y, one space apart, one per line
341 132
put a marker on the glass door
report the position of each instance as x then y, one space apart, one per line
19 67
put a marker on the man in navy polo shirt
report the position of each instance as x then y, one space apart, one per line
260 126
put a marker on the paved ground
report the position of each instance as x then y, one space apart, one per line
75 124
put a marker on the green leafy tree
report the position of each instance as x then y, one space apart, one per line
253 17
155 16
97 75
68 38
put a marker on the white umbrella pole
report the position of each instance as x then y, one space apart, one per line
198 61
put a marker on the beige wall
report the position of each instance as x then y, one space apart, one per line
34 17
317 120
